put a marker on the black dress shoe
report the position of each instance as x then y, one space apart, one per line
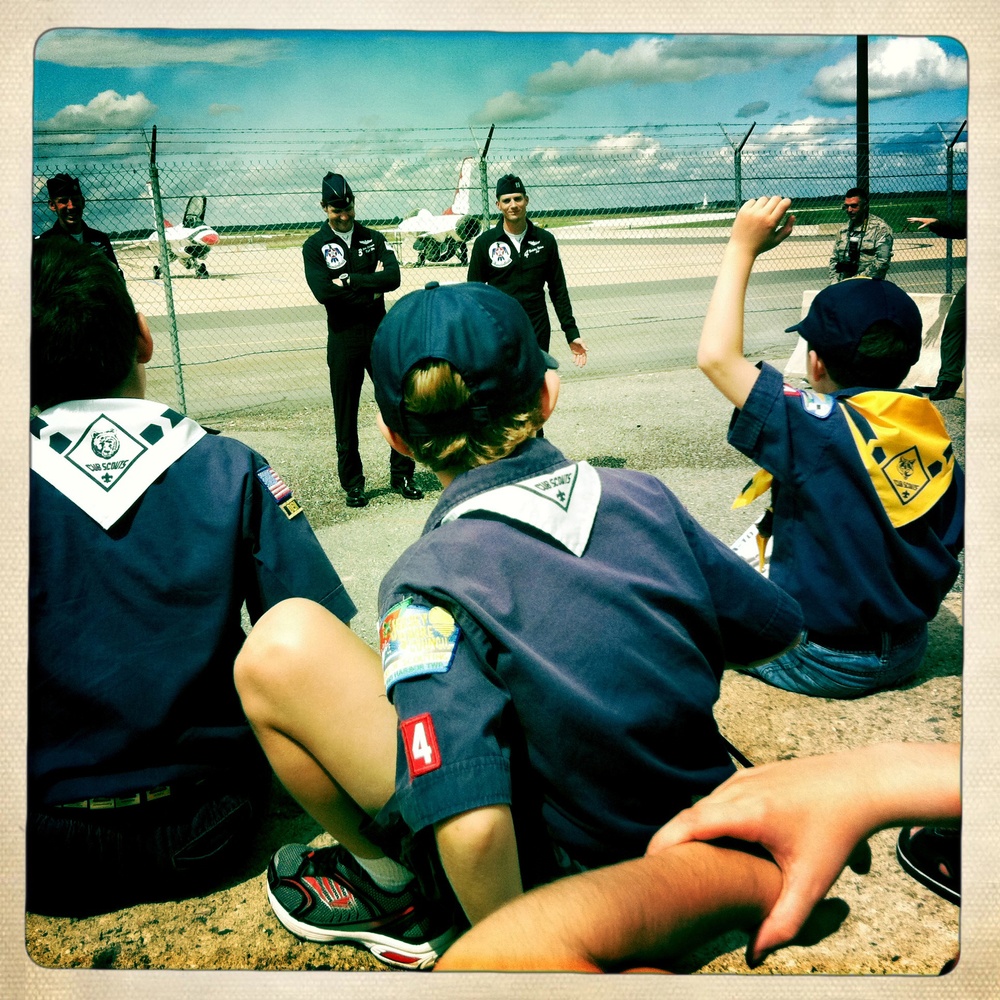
944 390
405 488
356 497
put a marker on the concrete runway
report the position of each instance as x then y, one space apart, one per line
251 335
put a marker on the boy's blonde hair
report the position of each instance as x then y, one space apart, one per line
436 388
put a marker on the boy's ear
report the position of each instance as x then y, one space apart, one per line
395 441
550 393
145 340
815 367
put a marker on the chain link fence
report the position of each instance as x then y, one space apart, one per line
641 216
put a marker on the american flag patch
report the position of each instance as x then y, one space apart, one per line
274 484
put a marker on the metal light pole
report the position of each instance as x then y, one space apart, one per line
861 99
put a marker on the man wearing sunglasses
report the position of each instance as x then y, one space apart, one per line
864 243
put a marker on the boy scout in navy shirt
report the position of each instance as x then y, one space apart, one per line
552 646
866 494
148 535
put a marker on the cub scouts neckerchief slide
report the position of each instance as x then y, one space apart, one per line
103 454
903 443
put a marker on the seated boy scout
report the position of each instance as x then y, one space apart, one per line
552 647
147 537
866 493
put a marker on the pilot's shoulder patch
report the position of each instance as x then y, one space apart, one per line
416 640
280 491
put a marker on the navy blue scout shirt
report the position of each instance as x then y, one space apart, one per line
584 682
134 630
357 310
523 275
835 549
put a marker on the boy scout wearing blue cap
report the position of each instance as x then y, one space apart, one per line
552 644
349 268
866 494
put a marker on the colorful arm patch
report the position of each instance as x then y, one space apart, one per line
415 641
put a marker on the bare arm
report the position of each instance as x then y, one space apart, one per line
479 854
639 913
720 350
811 813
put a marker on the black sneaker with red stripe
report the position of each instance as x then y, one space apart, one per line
323 894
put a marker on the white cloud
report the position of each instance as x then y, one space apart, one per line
681 59
806 134
897 67
107 112
633 142
512 107
103 49
225 109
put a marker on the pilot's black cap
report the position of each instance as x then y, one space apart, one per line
509 184
63 184
337 192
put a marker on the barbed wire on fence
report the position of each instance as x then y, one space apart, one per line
641 213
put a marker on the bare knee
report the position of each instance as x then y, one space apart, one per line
279 650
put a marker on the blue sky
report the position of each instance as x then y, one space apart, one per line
118 80
396 110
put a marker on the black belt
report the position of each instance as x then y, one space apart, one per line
864 642
146 796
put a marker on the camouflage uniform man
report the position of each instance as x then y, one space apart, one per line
864 245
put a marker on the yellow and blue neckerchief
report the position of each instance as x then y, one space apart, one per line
904 446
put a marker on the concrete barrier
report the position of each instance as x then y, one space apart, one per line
933 309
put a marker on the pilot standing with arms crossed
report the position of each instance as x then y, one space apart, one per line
349 268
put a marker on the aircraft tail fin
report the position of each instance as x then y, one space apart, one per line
167 224
460 204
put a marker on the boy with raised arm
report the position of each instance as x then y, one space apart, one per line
866 493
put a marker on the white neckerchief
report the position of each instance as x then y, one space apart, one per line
560 504
103 454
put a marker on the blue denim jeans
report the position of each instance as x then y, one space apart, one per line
832 673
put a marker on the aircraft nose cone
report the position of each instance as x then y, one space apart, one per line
209 239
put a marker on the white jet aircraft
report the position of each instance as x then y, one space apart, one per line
441 237
190 242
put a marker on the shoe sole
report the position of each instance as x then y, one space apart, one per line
392 951
926 879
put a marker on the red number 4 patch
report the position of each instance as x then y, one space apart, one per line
420 743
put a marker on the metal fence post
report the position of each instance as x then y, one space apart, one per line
738 163
949 202
168 288
484 180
